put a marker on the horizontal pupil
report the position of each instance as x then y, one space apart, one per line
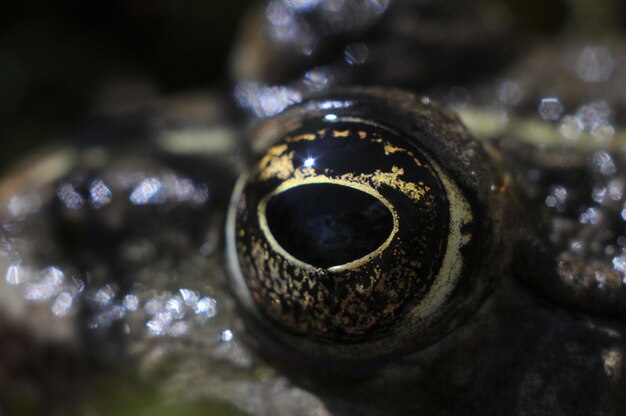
328 225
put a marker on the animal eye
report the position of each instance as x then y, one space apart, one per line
368 224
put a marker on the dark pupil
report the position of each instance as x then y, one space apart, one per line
327 225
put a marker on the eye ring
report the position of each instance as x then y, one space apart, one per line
470 266
286 186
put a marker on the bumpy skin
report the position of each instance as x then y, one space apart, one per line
536 346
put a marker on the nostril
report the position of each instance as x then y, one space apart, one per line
328 224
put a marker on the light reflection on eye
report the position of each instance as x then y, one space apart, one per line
334 105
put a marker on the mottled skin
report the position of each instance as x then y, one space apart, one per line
549 340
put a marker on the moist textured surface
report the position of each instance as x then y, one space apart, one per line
113 297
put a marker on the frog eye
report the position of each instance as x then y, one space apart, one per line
365 226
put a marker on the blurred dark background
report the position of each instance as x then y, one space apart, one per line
57 57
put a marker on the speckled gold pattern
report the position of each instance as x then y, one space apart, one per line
364 297
279 163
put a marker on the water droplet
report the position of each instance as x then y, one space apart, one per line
317 79
145 192
62 304
557 198
509 93
265 101
103 296
550 109
616 189
603 132
15 274
226 336
599 194
99 194
277 14
356 53
619 263
175 307
190 297
22 205
604 163
590 216
155 327
571 128
131 303
596 118
206 306
70 198
595 64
